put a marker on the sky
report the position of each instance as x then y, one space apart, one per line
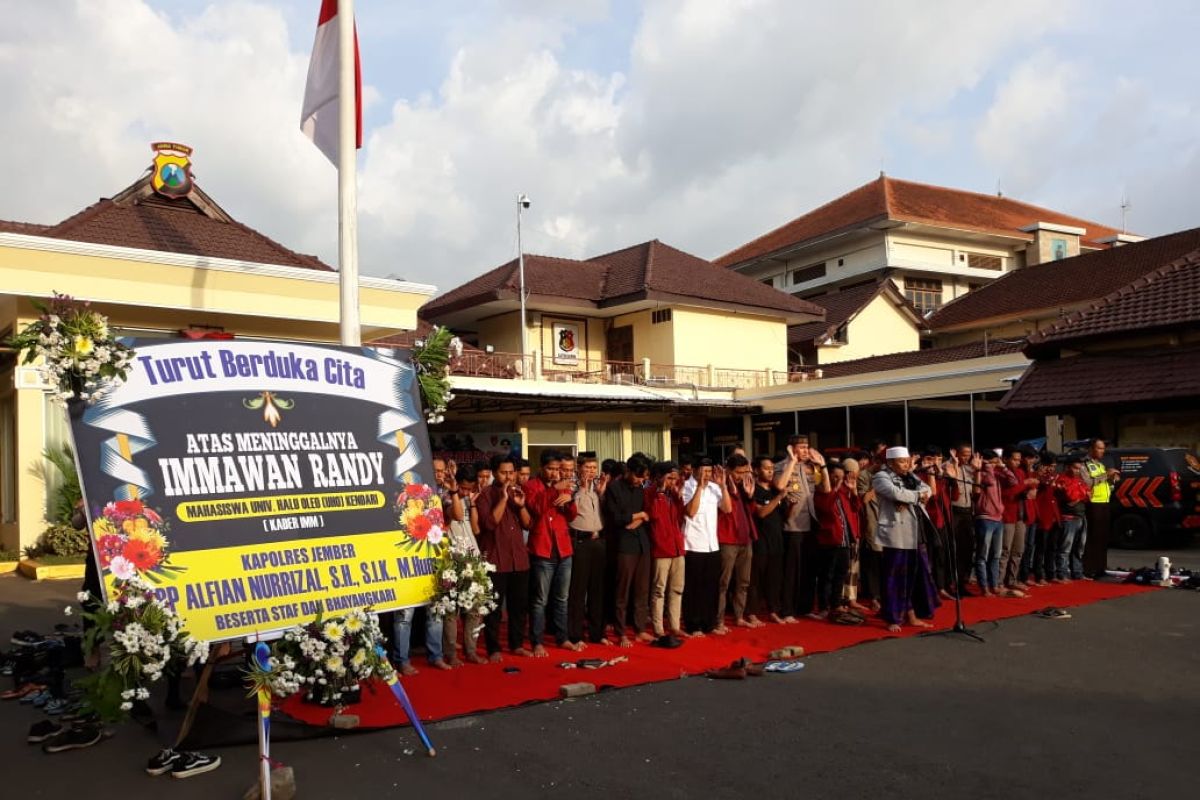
702 123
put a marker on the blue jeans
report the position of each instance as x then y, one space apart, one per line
989 540
1068 562
551 585
402 632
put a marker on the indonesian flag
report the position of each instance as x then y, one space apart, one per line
319 118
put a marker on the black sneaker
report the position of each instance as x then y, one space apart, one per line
76 738
194 764
164 762
42 731
27 638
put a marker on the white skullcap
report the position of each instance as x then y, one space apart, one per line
896 452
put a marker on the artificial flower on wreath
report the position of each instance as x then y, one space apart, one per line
131 539
325 660
419 517
462 584
79 355
145 639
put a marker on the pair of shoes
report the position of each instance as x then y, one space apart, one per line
668 641
181 764
56 706
783 666
37 699
1053 612
75 738
42 731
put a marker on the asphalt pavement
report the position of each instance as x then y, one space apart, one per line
1105 704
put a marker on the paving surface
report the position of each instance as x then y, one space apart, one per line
1102 705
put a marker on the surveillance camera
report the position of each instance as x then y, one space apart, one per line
523 199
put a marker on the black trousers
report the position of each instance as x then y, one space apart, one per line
1095 549
512 591
586 599
870 562
701 584
799 572
833 564
766 584
939 557
964 543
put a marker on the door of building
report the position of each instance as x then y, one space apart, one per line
619 350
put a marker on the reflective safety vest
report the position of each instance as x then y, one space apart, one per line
1101 490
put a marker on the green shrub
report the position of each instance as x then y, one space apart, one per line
59 540
63 505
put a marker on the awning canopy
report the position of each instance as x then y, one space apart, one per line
1108 378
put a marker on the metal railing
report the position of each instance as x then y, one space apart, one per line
512 366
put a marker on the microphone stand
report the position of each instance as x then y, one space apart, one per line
959 626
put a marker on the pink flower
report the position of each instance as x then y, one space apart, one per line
435 516
435 534
122 568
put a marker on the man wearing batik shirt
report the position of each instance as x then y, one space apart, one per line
502 515
735 535
551 508
909 594
838 510
664 504
703 499
960 470
766 569
586 597
795 475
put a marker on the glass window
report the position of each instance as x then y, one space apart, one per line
924 293
1059 248
604 439
648 439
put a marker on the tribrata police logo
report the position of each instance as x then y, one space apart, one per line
172 171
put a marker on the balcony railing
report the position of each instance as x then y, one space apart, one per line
513 366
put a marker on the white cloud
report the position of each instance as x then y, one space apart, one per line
732 117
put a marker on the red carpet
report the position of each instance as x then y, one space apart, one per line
472 688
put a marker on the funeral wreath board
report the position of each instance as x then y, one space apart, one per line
262 485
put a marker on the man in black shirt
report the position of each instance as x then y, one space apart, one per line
766 582
624 506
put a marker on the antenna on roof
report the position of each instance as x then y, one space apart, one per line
1125 206
998 192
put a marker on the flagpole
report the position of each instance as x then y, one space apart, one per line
351 334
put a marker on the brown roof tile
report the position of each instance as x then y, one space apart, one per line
1066 283
1168 297
621 276
28 228
141 219
906 201
1107 379
917 358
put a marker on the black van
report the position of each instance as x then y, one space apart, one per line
1158 494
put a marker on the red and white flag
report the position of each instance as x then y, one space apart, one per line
319 118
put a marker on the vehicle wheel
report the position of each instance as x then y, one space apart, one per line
1132 532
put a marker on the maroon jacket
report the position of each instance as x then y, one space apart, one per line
838 514
666 522
549 523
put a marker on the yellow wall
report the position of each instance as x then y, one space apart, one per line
651 341
728 340
502 332
879 329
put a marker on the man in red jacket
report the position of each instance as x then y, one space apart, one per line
551 507
838 509
664 504
1015 486
735 537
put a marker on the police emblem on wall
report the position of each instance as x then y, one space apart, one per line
172 170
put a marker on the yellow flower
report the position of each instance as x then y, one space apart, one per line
135 527
359 657
149 536
103 528
335 665
333 632
354 624
84 345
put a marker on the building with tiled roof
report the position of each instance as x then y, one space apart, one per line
1129 361
860 321
935 243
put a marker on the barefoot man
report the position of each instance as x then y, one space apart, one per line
909 594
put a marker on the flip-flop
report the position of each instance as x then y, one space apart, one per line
783 666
